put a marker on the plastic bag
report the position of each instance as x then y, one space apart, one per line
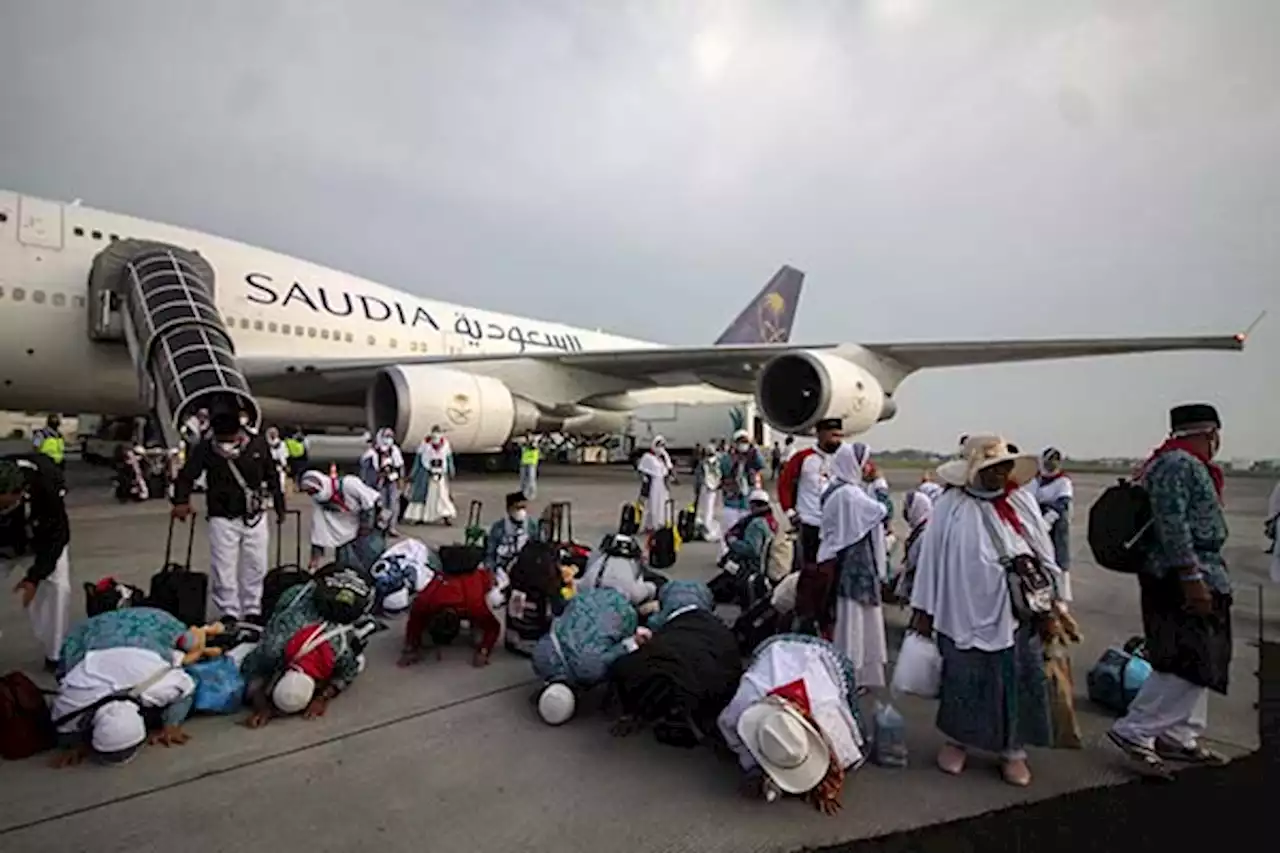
219 685
890 743
918 671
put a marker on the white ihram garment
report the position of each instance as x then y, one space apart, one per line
238 565
50 608
331 525
705 512
652 467
108 671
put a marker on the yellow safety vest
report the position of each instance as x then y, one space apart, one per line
295 447
53 446
529 456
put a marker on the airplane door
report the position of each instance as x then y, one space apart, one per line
40 223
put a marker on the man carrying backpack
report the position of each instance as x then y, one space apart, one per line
1186 598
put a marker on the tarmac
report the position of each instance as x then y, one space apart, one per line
452 758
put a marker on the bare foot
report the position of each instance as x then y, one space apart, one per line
409 657
169 736
951 760
257 719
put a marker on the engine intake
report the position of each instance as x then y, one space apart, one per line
478 413
796 390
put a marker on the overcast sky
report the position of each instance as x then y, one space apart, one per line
941 170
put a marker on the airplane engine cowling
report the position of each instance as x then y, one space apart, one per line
796 390
478 413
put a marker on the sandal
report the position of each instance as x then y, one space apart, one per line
1145 761
1170 750
951 760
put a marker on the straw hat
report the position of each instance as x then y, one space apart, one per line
785 744
983 451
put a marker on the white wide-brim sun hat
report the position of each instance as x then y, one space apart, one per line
790 750
983 451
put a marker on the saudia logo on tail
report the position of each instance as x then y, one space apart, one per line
339 303
770 318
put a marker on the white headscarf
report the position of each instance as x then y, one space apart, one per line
848 512
919 508
118 726
320 482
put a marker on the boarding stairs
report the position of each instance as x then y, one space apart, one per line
158 299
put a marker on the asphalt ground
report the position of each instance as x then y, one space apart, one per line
450 758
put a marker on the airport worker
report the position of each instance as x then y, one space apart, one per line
35 535
793 722
851 554
1186 597
429 498
749 539
1269 528
50 441
241 479
509 534
529 456
279 454
1055 495
803 480
917 508
706 493
382 469
684 672
296 447
307 656
346 519
740 472
655 469
596 627
440 609
993 696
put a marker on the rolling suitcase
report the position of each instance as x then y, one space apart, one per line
687 524
664 543
175 588
558 528
284 576
629 519
475 533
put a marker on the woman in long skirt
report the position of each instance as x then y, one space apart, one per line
429 498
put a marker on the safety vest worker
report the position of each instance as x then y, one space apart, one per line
529 469
49 440
295 447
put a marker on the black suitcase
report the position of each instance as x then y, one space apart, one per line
285 576
175 588
687 524
460 559
756 625
662 542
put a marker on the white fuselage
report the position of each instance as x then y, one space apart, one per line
273 305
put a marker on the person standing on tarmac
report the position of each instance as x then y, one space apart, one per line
49 441
34 525
241 474
529 456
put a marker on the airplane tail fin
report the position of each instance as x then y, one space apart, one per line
769 316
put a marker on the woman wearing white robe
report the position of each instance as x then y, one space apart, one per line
432 471
382 468
654 468
708 494
1273 520
852 536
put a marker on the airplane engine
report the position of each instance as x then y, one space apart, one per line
796 390
478 413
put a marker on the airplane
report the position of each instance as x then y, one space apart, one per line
102 312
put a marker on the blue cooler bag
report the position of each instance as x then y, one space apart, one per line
1117 677
219 686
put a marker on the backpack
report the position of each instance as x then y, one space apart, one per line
757 623
343 593
629 519
687 524
1120 526
25 725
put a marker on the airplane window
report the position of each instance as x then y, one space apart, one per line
97 235
59 299
311 333
297 331
19 294
114 237
4 217
324 334
244 323
413 346
284 328
393 343
257 325
347 337
37 296
78 231
271 327
372 340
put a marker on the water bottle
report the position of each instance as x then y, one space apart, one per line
890 737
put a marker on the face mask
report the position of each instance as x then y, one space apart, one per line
743 446
384 443
435 436
229 449
519 515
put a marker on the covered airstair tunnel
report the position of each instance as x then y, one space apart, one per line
159 300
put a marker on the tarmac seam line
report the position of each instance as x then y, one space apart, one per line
253 762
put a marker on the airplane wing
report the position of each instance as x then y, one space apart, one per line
343 381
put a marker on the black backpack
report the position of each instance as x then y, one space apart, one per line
343 593
1120 523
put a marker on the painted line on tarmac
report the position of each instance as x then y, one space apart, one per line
253 762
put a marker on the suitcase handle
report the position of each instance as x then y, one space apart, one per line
670 507
297 559
169 565
560 517
474 513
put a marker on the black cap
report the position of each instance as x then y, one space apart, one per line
830 423
225 423
514 498
1192 416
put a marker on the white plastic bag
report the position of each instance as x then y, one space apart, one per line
919 667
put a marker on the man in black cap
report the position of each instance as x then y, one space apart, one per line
34 526
241 476
1186 598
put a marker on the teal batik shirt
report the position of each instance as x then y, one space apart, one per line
1189 526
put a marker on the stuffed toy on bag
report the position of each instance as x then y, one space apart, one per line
194 644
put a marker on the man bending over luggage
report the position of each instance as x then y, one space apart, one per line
440 608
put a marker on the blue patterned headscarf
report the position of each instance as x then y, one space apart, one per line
675 595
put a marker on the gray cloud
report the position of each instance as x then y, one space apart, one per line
941 170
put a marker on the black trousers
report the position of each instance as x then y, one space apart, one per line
807 553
